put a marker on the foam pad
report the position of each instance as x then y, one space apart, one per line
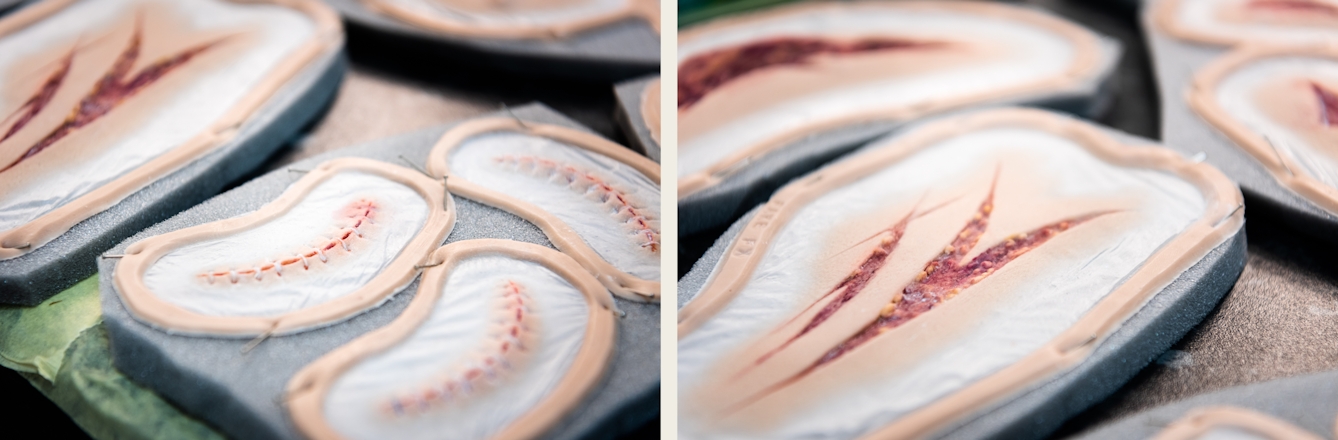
31 278
1043 407
631 119
240 394
620 50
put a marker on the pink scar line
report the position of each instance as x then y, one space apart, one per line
1328 104
360 214
642 226
472 377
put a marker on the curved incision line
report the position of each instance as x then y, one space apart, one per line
115 86
1295 6
943 278
494 357
619 202
360 214
701 74
1328 104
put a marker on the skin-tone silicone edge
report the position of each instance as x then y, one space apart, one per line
1086 65
1203 100
1164 16
1202 420
148 307
650 109
307 389
328 37
563 237
1223 216
648 10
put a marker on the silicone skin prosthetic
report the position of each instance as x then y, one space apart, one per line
1233 22
596 200
1279 104
949 267
517 19
502 339
339 241
1229 422
750 84
99 99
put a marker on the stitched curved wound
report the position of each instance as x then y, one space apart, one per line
355 218
640 225
504 348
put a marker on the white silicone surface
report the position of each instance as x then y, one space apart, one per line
1033 314
175 277
1231 433
441 10
475 161
459 322
1236 94
1043 54
1202 16
192 110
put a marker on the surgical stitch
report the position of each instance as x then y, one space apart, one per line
620 204
359 214
496 356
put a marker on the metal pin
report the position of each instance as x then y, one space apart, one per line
263 336
113 256
1229 214
425 266
1200 157
513 116
733 168
1279 155
446 194
414 165
299 171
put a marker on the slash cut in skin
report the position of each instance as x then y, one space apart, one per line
886 318
94 88
1304 105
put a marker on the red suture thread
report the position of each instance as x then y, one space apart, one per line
942 279
359 213
469 378
1328 104
1295 5
699 75
641 224
115 86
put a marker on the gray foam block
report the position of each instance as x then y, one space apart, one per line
240 394
620 50
1175 63
1043 407
630 118
32 278
755 181
1309 401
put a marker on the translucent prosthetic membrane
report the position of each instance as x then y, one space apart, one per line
333 242
1031 314
1039 54
1237 91
471 317
1203 16
190 111
440 9
1230 433
614 208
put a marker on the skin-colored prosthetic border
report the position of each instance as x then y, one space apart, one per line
327 37
563 237
647 10
1085 65
147 306
307 390
1201 421
1221 218
1319 15
1203 99
650 109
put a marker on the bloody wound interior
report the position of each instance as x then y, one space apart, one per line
699 75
